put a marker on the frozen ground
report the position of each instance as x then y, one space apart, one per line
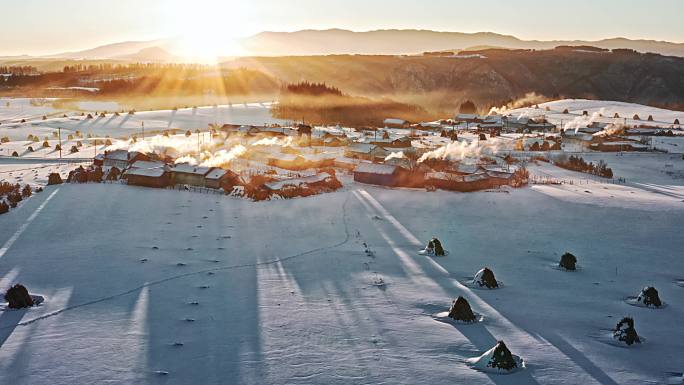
172 287
208 289
124 125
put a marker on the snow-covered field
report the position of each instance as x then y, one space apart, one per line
124 125
607 109
141 282
149 286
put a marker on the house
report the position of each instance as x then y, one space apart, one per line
619 146
386 175
365 151
288 161
395 123
278 185
157 177
402 142
185 173
219 178
468 118
121 159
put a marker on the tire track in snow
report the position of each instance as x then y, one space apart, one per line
346 239
22 228
524 340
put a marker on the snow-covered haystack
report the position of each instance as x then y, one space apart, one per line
460 310
625 332
568 262
485 278
648 297
18 297
497 360
434 247
54 178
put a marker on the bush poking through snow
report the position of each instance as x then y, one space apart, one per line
18 297
485 278
434 246
54 178
625 332
649 297
460 310
497 360
568 262
502 358
4 207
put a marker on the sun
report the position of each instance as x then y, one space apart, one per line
208 30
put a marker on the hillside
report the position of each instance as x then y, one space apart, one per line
490 77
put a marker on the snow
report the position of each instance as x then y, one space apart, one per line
375 168
151 286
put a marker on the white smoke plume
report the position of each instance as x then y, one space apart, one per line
611 129
584 121
395 155
222 158
527 100
275 141
459 150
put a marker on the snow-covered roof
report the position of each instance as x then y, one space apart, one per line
361 147
187 168
147 164
216 173
149 172
278 185
117 155
376 168
475 177
400 122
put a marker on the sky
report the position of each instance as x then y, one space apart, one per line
38 27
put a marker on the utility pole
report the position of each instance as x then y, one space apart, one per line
59 135
143 129
198 141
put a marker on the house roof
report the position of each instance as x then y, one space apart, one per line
376 168
148 172
278 185
365 148
187 168
216 173
395 121
117 155
147 164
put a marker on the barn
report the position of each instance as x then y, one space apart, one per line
387 175
187 174
148 177
220 178
121 159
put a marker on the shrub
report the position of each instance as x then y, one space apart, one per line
18 297
15 154
568 261
27 191
649 297
460 310
4 207
54 178
625 331
502 358
485 278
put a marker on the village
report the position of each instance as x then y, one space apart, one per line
468 152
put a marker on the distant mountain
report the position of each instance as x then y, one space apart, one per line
394 42
153 55
112 51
